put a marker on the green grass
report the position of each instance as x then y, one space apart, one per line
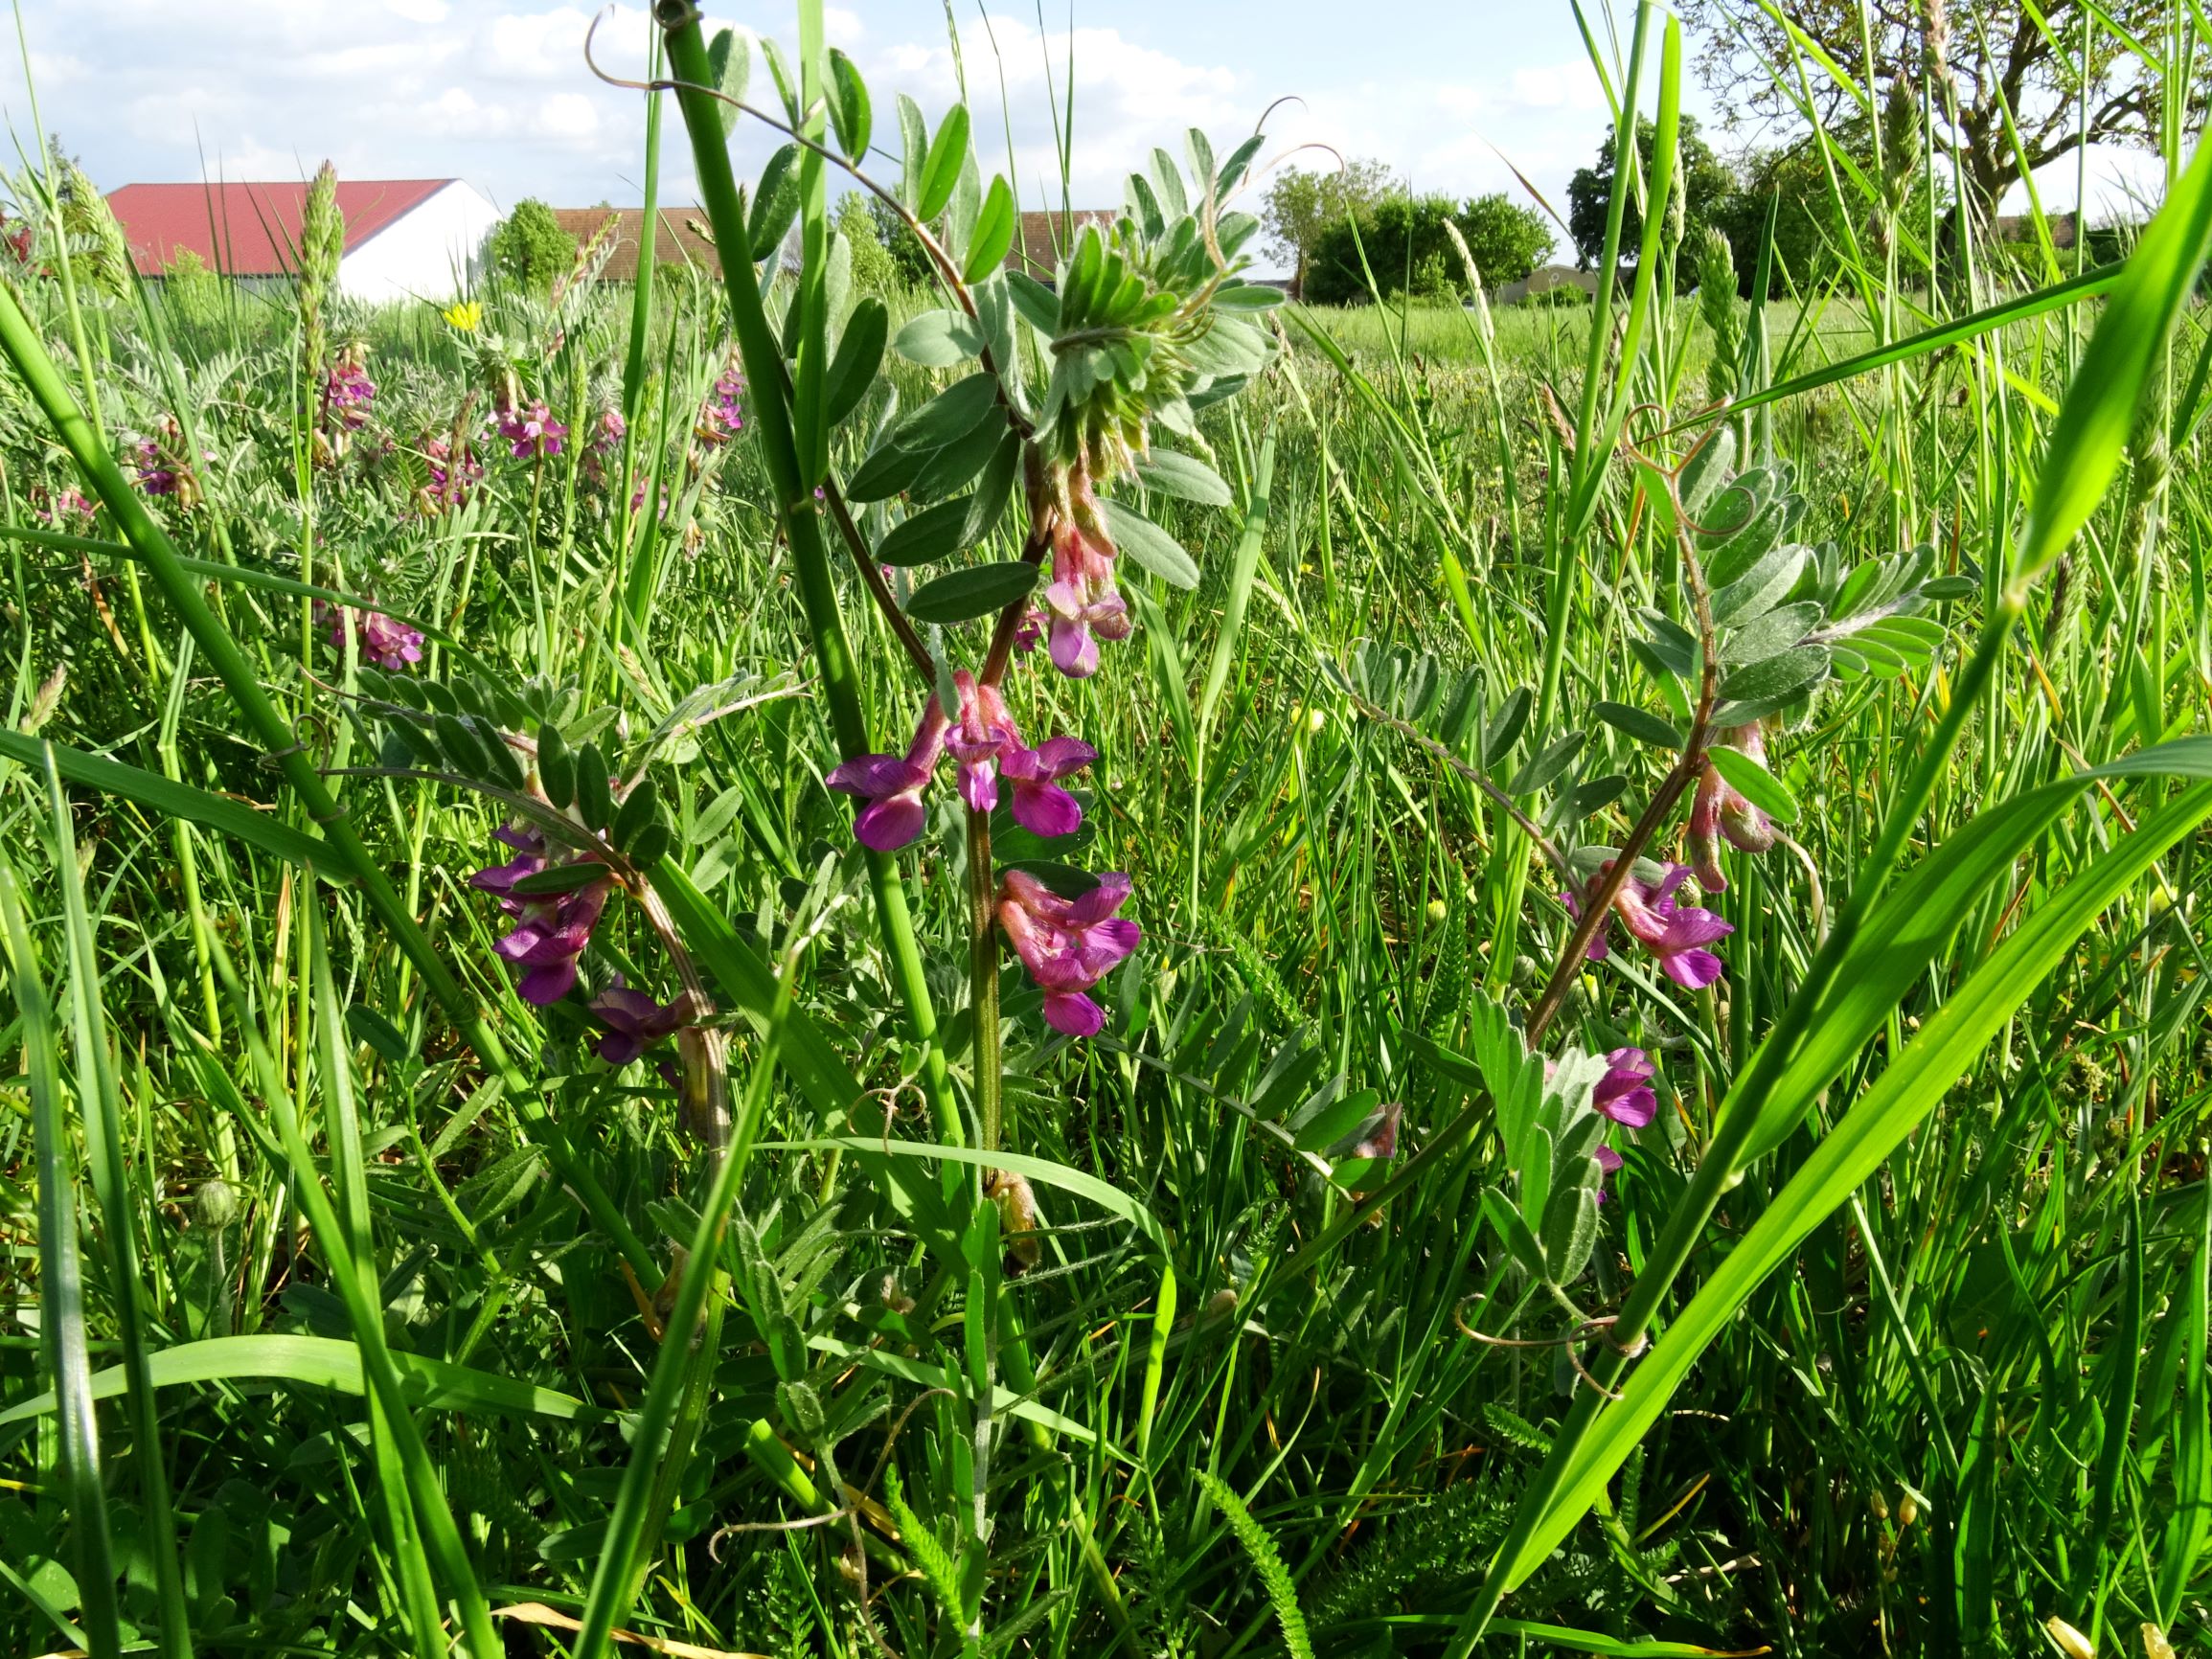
320 1239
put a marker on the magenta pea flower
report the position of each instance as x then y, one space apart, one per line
1041 805
981 738
892 786
721 417
382 641
66 505
1067 945
155 475
1609 1165
1082 599
531 430
1029 633
347 391
552 929
635 1020
1624 1093
1673 932
1718 810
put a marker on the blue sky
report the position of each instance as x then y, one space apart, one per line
496 92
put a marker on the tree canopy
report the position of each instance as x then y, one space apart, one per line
2003 54
1707 185
529 247
1409 250
1301 208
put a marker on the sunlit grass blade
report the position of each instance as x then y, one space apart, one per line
102 1105
61 1282
1854 1149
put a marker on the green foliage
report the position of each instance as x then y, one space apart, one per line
529 248
1301 208
1705 183
874 270
1274 1576
1202 1346
1409 251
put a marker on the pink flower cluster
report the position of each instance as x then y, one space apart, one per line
1067 945
66 506
382 639
1718 810
347 391
721 417
1673 932
530 431
985 743
551 929
1082 599
450 479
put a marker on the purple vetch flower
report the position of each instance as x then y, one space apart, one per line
1041 805
981 738
722 416
382 641
551 928
451 477
531 430
155 476
1673 932
68 504
1719 810
893 786
636 1021
1067 945
1609 1165
1030 634
347 391
1624 1093
1081 598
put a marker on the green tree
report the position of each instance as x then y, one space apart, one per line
2004 66
910 259
529 247
1301 208
1707 183
1410 251
874 270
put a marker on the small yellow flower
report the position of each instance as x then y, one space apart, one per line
464 315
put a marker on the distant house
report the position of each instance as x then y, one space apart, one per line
405 237
680 236
1545 278
2021 228
1045 237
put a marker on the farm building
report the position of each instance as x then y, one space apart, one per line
405 237
678 238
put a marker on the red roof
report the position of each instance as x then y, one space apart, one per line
251 230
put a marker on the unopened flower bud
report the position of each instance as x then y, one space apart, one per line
1438 910
218 1204
1907 1509
1877 1506
2071 1640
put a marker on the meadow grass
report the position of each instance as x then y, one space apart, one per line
357 1305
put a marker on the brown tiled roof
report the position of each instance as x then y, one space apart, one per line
676 239
1045 235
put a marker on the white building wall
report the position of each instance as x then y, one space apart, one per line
426 254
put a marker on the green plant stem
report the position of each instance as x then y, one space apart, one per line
1722 1166
797 510
28 352
983 977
